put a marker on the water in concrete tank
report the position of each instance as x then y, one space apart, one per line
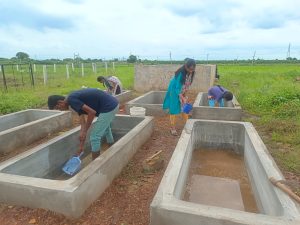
219 178
58 174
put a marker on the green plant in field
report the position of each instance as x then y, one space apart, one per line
270 92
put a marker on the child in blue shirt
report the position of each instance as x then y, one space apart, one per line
217 94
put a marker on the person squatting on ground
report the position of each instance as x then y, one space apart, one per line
176 95
93 103
112 84
218 94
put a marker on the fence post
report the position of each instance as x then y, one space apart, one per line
93 68
4 78
106 67
45 74
67 68
95 64
34 67
17 67
72 67
82 69
31 75
54 68
113 66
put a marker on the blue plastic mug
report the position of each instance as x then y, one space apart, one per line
187 108
211 102
221 102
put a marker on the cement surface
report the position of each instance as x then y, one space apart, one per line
23 182
232 110
275 207
152 101
24 127
157 77
125 96
216 191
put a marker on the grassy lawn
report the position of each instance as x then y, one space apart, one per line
269 95
20 97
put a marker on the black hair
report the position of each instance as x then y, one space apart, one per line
53 100
188 63
104 81
228 96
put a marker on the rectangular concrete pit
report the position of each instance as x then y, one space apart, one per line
125 96
275 207
22 179
24 127
201 110
152 101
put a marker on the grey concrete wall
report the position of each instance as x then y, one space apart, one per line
73 196
25 127
232 110
152 101
49 158
125 96
157 77
167 206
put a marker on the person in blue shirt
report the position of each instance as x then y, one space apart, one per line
217 94
93 103
176 95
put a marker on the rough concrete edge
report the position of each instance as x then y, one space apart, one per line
59 113
132 103
164 196
199 97
268 161
94 166
124 96
65 185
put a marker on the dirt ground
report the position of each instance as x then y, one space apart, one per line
126 201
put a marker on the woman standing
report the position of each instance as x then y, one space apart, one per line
177 90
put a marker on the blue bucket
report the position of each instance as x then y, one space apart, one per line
211 102
187 108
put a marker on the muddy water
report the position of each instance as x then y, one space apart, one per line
221 164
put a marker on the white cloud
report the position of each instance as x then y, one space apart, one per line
107 29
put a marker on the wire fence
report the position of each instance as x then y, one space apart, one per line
20 76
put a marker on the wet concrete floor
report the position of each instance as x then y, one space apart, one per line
219 178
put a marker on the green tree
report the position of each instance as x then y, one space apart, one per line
22 56
132 59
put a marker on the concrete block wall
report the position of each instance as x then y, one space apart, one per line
157 77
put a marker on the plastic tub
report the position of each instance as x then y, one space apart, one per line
137 111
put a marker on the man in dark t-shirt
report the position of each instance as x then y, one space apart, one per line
93 103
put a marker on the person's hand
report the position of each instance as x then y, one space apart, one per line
81 146
210 97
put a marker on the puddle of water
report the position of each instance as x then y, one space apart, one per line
206 183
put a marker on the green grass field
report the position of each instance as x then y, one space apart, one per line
22 97
271 93
268 93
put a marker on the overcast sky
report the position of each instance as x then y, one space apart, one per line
224 29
